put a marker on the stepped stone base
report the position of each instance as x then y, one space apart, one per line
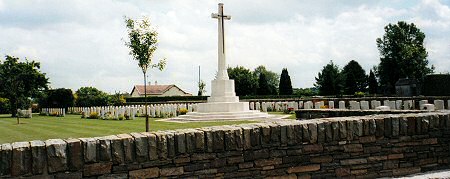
217 116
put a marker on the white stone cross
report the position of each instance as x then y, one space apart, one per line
222 73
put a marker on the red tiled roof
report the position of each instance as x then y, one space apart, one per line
154 89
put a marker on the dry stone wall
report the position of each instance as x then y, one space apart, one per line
365 146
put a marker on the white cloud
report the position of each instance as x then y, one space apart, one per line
80 42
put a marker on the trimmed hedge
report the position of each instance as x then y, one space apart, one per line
436 85
166 99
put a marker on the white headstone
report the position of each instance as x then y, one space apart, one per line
354 105
331 104
439 104
428 107
398 104
408 104
342 105
364 105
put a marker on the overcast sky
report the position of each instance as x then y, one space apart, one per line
81 43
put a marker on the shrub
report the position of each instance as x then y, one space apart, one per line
359 94
121 117
182 111
93 115
288 110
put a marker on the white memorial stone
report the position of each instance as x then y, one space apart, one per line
408 104
439 104
364 105
354 105
342 105
331 104
428 107
398 104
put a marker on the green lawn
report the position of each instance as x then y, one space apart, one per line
72 126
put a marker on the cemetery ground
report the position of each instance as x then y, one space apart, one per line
73 126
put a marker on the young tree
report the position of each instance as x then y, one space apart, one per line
20 81
90 96
143 43
402 54
263 86
244 82
273 79
373 83
329 80
354 77
285 83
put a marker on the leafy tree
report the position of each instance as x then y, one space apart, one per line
90 96
273 79
329 81
263 86
143 43
354 77
285 83
402 54
116 99
4 106
373 83
244 81
57 98
201 88
20 81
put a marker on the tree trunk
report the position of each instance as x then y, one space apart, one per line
147 126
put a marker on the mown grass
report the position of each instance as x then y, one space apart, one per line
72 126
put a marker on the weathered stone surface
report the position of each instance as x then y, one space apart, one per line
298 128
343 129
97 169
268 162
406 171
312 129
322 159
89 150
128 147
403 126
291 137
56 155
411 125
171 171
353 148
230 138
141 147
74 154
395 156
380 127
306 133
180 142
283 135
265 134
114 176
246 165
342 172
5 159
358 128
209 141
145 173
39 156
350 130
170 143
354 161
104 148
376 158
321 133
152 145
314 148
367 139
203 156
372 126
395 126
117 153
306 168
199 140
21 159
67 175
388 127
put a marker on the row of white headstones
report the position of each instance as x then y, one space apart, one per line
172 110
153 110
353 105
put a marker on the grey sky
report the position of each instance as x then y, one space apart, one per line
80 43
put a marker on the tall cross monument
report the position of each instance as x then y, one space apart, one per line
222 74
223 104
